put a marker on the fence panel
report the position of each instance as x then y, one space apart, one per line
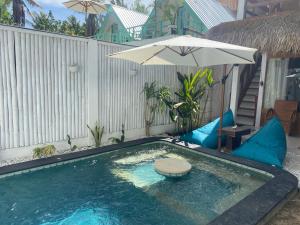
47 89
41 100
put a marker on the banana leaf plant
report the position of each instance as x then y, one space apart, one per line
186 110
154 103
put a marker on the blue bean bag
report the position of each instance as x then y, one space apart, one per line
207 136
268 145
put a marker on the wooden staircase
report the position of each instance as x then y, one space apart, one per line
246 112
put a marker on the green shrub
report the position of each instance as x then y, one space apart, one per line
121 139
72 148
43 152
97 133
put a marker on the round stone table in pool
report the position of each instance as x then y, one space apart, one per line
170 167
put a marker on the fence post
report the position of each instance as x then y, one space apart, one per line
93 83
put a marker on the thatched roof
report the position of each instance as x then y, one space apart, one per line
278 35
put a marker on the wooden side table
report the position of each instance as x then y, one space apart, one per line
234 136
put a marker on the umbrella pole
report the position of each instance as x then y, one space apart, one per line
222 108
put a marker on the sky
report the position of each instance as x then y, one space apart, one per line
61 13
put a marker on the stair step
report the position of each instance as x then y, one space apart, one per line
249 98
254 85
247 105
246 112
241 120
256 79
252 92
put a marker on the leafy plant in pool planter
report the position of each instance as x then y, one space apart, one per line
72 148
154 102
97 133
43 152
186 110
121 139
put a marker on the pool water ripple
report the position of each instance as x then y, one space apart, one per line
122 188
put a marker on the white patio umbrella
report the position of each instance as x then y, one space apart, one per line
86 6
191 51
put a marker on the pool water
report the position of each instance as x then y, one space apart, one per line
122 188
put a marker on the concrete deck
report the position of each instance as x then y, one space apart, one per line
290 213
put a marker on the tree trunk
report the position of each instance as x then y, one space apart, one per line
91 25
18 13
147 129
204 109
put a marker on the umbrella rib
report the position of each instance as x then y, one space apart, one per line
101 6
71 1
195 59
94 8
173 50
154 55
196 49
76 3
222 50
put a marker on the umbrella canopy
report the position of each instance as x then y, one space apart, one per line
191 51
188 51
86 6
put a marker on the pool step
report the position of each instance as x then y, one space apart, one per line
179 207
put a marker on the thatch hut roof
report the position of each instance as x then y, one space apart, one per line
278 35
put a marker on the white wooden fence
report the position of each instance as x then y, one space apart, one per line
42 100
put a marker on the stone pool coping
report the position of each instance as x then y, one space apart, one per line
256 208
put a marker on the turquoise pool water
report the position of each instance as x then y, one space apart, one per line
122 188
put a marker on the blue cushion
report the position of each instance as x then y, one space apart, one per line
207 136
268 145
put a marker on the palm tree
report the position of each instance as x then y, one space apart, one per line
118 2
19 7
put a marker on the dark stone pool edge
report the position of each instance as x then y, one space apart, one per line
255 209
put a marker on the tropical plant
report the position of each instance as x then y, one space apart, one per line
185 111
72 148
72 27
118 2
170 10
43 152
5 16
121 139
47 22
155 99
208 83
139 7
97 133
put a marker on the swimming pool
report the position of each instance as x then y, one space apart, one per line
117 185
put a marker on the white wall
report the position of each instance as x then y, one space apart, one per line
41 101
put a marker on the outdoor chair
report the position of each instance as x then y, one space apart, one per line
207 136
286 111
268 145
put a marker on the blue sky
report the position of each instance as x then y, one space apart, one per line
60 12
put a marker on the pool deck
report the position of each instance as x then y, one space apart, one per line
290 213
292 162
